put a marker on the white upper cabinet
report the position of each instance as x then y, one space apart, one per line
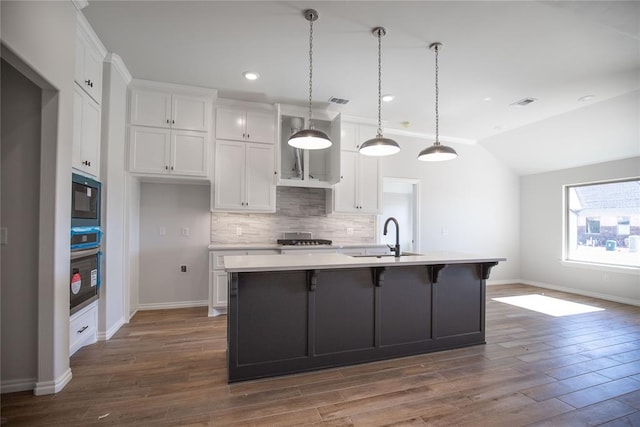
90 54
167 110
86 133
244 177
170 130
308 168
245 125
360 187
155 151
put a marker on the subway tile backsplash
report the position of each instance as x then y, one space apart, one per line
297 209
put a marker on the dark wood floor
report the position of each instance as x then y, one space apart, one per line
167 368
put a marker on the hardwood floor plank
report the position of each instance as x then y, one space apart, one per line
168 368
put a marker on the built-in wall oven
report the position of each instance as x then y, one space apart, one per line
85 278
85 240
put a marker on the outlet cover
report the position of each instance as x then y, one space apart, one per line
238 231
183 268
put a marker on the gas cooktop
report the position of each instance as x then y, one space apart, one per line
301 238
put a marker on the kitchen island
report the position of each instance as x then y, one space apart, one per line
295 313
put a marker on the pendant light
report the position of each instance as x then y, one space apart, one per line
437 152
310 138
379 146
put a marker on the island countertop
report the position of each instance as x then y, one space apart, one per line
255 263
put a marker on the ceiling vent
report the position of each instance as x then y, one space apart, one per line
523 102
338 100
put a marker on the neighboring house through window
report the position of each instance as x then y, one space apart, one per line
603 223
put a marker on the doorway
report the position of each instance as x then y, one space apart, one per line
401 201
21 102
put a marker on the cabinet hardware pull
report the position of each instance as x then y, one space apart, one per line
83 329
166 167
167 121
173 122
248 136
171 167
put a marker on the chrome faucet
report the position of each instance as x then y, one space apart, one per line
395 248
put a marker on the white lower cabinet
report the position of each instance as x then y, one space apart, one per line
218 283
83 327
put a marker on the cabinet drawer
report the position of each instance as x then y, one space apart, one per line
82 328
217 258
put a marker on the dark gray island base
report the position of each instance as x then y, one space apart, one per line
295 320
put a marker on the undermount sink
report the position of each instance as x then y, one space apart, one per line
386 255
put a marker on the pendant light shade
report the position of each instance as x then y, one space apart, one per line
437 152
379 146
310 138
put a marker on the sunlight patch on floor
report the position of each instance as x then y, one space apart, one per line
547 305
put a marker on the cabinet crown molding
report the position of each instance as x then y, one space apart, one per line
174 87
86 30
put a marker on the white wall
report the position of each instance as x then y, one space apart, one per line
474 199
20 140
173 207
132 245
41 37
541 234
115 80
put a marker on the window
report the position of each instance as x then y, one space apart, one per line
603 223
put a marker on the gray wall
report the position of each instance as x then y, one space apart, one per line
474 198
40 38
173 206
21 106
541 235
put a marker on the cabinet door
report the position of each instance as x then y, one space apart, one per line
345 191
90 150
230 124
219 291
370 187
93 73
260 126
190 113
229 184
86 133
260 189
149 108
189 153
349 137
149 150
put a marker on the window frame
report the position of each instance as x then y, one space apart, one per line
566 230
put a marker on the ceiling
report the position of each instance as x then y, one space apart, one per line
494 53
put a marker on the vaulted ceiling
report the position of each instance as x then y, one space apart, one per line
494 54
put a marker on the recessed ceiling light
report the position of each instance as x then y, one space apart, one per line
586 98
487 98
251 75
406 124
388 97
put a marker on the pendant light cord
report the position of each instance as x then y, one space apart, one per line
379 83
437 48
310 69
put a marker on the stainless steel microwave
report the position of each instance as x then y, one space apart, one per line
85 201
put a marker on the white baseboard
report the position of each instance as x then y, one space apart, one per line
50 387
104 336
133 313
215 312
170 305
598 295
503 282
22 384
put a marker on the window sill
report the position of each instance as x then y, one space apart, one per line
602 267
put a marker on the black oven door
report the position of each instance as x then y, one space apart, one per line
85 202
85 278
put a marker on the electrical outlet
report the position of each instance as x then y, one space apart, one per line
183 268
162 230
350 231
444 231
185 231
238 231
606 277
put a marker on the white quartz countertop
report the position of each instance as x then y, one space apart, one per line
251 263
258 246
